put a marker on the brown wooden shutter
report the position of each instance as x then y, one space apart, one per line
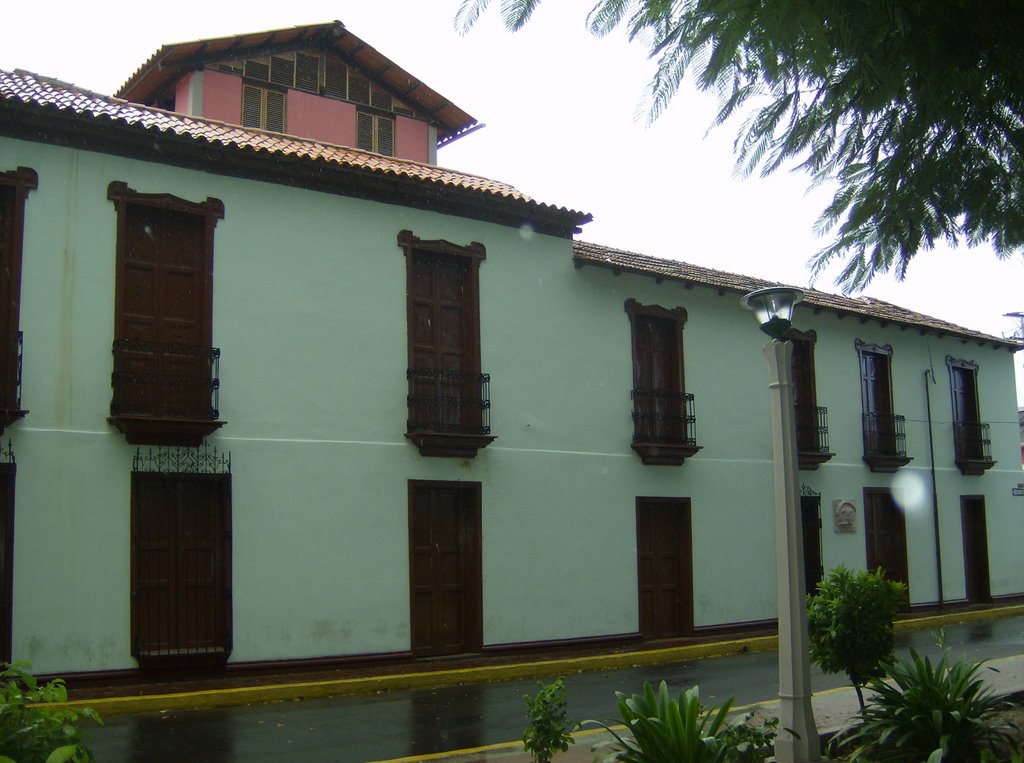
334 78
252 106
307 72
275 121
385 136
358 89
364 131
282 71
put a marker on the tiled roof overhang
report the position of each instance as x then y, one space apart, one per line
155 79
42 110
864 308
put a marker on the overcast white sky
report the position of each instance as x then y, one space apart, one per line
560 109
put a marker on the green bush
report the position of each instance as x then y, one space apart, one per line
33 734
850 624
666 730
934 713
547 729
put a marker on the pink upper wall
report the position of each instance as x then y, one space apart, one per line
323 119
222 97
411 138
307 116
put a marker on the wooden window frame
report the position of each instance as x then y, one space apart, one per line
971 446
889 460
375 131
217 656
472 599
264 89
17 183
141 429
811 419
435 443
661 453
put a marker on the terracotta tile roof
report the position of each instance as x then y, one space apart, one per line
162 70
52 97
866 307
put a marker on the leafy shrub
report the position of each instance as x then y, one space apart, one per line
547 730
850 624
33 734
666 730
926 712
746 743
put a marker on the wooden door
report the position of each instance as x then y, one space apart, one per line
443 353
664 567
658 379
810 511
164 312
444 568
975 539
7 472
886 535
181 565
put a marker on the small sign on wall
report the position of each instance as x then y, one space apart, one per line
1019 489
844 515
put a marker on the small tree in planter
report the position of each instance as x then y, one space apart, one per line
850 624
547 729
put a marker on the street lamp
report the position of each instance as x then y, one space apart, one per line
773 309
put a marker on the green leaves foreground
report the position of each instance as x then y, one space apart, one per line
30 732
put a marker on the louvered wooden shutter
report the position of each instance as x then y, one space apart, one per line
379 99
257 70
385 136
364 131
252 106
275 111
307 72
282 71
334 78
359 89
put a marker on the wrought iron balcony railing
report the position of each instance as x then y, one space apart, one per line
885 435
812 429
971 440
448 402
10 371
165 381
664 417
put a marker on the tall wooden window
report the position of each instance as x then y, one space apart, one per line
886 534
885 448
664 423
181 568
7 474
664 567
445 576
165 368
14 188
811 419
972 445
448 398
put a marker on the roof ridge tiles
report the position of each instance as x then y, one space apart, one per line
870 307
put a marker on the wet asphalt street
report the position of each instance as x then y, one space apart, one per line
398 724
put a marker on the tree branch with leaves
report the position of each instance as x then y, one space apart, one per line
913 109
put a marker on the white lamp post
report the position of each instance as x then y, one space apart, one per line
773 309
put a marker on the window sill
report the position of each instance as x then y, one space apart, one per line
9 415
886 463
151 430
974 467
810 460
664 454
449 444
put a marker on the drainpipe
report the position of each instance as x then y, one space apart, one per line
935 489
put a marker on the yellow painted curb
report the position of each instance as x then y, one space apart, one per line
436 678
